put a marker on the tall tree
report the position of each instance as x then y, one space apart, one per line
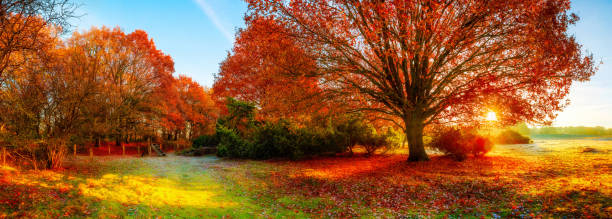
441 61
128 72
41 103
23 25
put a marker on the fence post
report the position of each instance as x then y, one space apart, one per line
149 146
74 150
138 149
108 149
91 152
123 148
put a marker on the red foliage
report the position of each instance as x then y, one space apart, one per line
423 62
461 143
270 69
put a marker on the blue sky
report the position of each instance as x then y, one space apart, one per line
199 33
196 33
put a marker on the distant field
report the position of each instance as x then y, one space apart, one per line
548 178
570 136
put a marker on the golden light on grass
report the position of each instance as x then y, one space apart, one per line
491 116
152 191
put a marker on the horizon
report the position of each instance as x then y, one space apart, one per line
198 35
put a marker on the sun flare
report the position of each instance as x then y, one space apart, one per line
491 116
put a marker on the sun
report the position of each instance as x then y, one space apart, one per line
491 116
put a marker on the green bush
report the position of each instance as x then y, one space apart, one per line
275 140
511 137
280 139
355 131
460 144
231 144
373 141
205 141
316 141
283 139
350 131
239 135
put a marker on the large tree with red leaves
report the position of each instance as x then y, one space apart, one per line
440 61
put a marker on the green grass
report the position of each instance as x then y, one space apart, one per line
127 187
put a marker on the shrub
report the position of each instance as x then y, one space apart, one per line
231 144
39 154
275 140
460 144
316 140
206 141
239 135
284 139
373 141
280 139
356 131
511 137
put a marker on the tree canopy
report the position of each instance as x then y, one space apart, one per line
424 62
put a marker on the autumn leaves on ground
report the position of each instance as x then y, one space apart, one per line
322 109
514 180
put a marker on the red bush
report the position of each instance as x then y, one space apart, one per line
459 144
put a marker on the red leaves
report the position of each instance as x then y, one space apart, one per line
447 59
271 69
187 103
489 186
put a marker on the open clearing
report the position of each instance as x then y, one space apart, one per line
548 178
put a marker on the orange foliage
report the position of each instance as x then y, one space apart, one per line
98 84
271 70
125 74
189 104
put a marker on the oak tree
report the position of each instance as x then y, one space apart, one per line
427 62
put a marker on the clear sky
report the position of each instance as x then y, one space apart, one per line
199 33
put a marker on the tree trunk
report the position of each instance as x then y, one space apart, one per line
414 134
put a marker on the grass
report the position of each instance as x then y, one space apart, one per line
134 187
551 178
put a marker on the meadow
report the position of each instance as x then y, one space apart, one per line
550 178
